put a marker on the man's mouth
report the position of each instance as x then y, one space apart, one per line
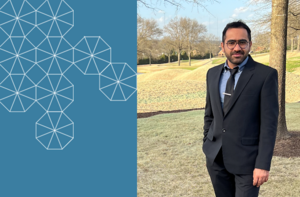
237 55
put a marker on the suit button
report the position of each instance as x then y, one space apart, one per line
223 130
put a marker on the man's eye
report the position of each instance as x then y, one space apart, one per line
243 42
231 43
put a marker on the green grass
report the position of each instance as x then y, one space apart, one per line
266 63
171 161
291 64
185 61
186 68
219 61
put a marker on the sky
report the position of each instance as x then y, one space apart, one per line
220 13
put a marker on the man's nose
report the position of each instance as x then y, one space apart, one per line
237 47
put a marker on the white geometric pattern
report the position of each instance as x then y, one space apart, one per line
92 55
54 130
34 57
116 81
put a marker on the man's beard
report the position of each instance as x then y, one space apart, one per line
234 60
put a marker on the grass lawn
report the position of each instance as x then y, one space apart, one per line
291 63
219 61
171 161
186 68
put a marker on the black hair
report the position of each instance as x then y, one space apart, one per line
236 24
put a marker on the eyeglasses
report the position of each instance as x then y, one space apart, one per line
232 43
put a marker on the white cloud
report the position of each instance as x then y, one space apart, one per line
161 11
160 20
224 20
256 1
240 10
208 22
250 15
237 11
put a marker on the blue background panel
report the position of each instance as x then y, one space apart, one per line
101 159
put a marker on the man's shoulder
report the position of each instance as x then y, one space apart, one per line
262 68
215 68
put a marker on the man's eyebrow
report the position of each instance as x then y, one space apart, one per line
238 40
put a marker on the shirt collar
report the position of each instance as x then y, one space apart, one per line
241 66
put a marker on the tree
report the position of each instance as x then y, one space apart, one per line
147 30
177 3
261 40
294 15
278 58
147 34
151 49
175 30
293 23
209 43
192 33
166 47
262 21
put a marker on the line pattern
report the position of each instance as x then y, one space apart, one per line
34 57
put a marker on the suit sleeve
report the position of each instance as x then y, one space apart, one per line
208 114
269 110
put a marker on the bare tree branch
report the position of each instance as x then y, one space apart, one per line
290 12
176 3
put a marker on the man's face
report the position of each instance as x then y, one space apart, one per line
236 55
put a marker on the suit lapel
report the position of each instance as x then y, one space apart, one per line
216 87
243 80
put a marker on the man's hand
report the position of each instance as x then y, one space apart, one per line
260 176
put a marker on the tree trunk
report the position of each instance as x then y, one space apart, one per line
292 44
179 57
189 58
298 45
169 57
150 60
278 58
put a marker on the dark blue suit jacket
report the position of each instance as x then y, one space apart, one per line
247 131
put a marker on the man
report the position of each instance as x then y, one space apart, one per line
241 115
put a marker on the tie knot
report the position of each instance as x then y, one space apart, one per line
233 71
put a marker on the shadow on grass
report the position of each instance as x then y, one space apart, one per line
288 147
149 114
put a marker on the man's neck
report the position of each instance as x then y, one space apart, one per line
231 65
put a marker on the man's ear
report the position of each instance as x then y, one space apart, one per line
222 45
250 44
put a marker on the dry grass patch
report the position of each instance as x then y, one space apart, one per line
297 71
148 69
176 89
162 75
292 87
261 59
183 65
171 161
198 74
293 54
169 95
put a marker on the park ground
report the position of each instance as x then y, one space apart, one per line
170 158
164 85
171 161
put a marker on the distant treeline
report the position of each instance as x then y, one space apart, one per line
165 59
